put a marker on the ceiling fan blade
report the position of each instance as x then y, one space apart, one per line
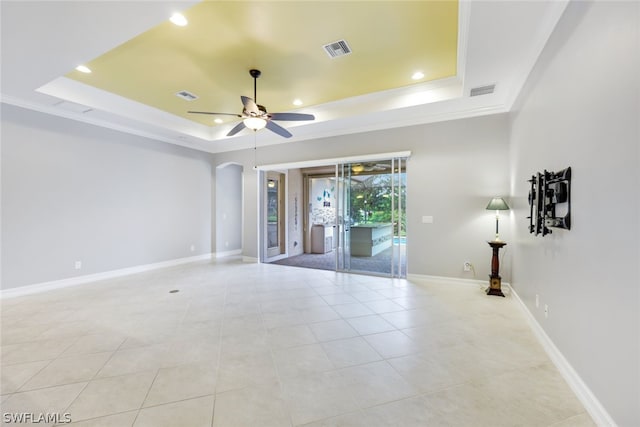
215 114
249 105
237 128
273 127
292 117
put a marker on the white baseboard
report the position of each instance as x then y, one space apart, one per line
80 280
249 259
591 403
453 280
228 253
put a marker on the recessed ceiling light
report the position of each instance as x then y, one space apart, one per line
418 75
297 102
83 69
218 121
179 19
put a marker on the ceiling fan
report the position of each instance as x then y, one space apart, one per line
256 117
369 167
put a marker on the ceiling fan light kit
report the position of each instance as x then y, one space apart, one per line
256 117
255 123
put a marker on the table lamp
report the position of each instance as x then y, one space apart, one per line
497 204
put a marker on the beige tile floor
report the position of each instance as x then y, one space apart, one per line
265 345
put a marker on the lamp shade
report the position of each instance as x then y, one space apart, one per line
497 204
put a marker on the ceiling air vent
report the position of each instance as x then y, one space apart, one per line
336 49
482 90
186 95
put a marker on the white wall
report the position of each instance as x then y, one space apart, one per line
455 169
75 192
228 219
580 109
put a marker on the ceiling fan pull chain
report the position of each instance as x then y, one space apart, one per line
255 150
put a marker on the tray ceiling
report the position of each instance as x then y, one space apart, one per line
211 55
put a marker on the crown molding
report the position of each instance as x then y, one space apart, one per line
80 117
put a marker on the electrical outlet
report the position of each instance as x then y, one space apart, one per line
78 265
537 300
546 311
467 266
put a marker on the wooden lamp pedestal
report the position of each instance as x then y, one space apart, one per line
494 277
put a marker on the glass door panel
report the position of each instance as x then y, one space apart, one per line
371 217
343 253
275 214
399 253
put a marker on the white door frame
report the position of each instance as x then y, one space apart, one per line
262 216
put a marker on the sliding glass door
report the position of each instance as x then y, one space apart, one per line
371 217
